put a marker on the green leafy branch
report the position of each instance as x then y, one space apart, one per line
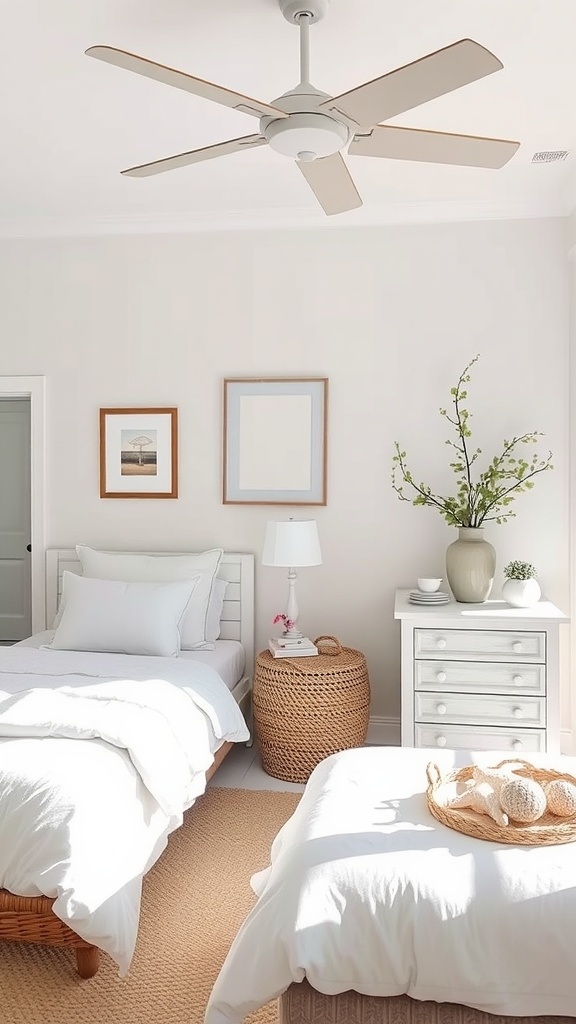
489 498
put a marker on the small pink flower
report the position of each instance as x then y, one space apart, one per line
288 623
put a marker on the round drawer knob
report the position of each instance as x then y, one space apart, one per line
441 643
441 677
441 709
517 744
518 680
517 712
517 647
440 741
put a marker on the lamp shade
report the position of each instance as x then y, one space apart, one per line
292 542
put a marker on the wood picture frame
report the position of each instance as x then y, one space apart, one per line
275 441
139 453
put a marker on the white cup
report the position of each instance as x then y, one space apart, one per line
427 585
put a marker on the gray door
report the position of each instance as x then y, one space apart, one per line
15 582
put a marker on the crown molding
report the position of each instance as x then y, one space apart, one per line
296 218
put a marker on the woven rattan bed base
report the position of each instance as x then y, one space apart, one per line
301 1004
31 919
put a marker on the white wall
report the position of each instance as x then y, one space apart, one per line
390 314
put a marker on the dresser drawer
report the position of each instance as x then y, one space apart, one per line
480 645
477 709
480 677
459 737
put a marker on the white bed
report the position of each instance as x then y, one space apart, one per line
236 622
158 727
367 892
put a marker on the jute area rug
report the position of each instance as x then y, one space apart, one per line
195 898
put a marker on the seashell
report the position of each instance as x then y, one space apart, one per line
523 800
561 797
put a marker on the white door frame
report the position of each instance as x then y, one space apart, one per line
34 388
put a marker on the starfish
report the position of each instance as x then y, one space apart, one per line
494 777
481 797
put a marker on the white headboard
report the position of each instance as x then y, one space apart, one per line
237 620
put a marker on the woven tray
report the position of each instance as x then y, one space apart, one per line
548 830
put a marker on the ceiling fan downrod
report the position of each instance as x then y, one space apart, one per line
304 13
304 25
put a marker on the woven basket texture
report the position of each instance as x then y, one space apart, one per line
308 708
548 830
30 919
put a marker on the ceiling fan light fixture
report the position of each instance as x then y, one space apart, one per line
315 134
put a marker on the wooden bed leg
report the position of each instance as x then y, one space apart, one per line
87 961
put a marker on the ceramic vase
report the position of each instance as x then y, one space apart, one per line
470 566
521 593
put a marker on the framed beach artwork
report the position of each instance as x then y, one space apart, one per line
274 441
138 453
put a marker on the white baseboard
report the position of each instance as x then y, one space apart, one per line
385 731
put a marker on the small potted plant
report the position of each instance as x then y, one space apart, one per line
521 588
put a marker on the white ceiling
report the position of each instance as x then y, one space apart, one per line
69 124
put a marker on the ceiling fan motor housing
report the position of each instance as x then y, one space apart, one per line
308 133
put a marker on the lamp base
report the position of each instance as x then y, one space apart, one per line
295 633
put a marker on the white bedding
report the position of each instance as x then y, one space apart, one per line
81 822
228 656
367 891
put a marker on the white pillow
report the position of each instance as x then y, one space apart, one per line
143 568
127 618
215 609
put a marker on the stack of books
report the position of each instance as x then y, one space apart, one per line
291 647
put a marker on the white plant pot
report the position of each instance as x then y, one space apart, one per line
521 593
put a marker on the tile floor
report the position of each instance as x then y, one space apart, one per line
242 769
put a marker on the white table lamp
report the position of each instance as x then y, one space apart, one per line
292 543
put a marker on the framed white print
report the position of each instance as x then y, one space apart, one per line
274 441
138 453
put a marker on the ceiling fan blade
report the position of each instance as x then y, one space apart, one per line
195 156
433 147
331 183
434 75
181 80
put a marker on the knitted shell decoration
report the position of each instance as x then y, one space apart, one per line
561 797
523 800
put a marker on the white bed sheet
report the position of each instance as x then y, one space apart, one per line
367 891
228 656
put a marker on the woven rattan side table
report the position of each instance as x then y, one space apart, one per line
308 708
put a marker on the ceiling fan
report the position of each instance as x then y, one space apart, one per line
312 127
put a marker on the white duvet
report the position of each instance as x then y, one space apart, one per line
100 754
367 891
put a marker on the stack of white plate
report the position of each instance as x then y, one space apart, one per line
419 597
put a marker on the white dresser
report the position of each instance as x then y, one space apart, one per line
480 676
